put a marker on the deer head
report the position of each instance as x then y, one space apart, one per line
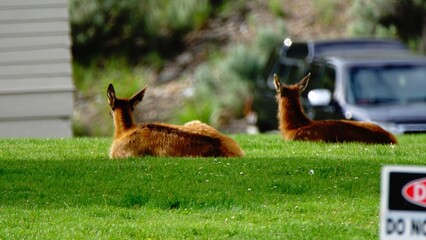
130 103
122 109
282 88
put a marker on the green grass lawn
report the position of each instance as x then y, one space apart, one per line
69 189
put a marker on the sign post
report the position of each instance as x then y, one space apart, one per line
403 203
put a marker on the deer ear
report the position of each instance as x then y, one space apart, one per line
304 82
277 83
111 95
137 98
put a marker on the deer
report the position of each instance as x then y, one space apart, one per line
193 139
295 125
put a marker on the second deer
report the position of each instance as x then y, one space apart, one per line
295 125
161 139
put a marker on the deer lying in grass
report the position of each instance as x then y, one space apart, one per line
160 139
295 125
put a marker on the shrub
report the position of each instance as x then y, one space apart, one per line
93 79
383 18
276 7
366 16
133 27
326 10
223 84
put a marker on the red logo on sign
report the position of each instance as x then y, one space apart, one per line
415 192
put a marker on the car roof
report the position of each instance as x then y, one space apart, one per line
312 49
378 59
319 47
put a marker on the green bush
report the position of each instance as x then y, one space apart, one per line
366 17
133 27
276 7
388 18
326 10
94 79
223 84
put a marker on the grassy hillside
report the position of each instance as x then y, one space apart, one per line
69 189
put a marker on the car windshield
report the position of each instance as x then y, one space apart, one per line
389 84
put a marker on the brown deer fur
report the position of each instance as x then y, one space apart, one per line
160 139
295 125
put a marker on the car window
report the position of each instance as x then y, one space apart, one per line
387 84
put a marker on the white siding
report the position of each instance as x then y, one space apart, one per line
57 128
31 3
36 89
13 42
21 14
37 103
33 55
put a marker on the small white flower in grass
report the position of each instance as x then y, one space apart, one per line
249 190
311 172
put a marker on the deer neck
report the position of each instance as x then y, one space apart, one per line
290 113
123 121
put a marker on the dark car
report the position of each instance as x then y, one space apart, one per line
365 80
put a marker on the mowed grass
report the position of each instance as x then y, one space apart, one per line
69 189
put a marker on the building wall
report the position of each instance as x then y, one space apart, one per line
36 89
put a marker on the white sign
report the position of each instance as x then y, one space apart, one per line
403 203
